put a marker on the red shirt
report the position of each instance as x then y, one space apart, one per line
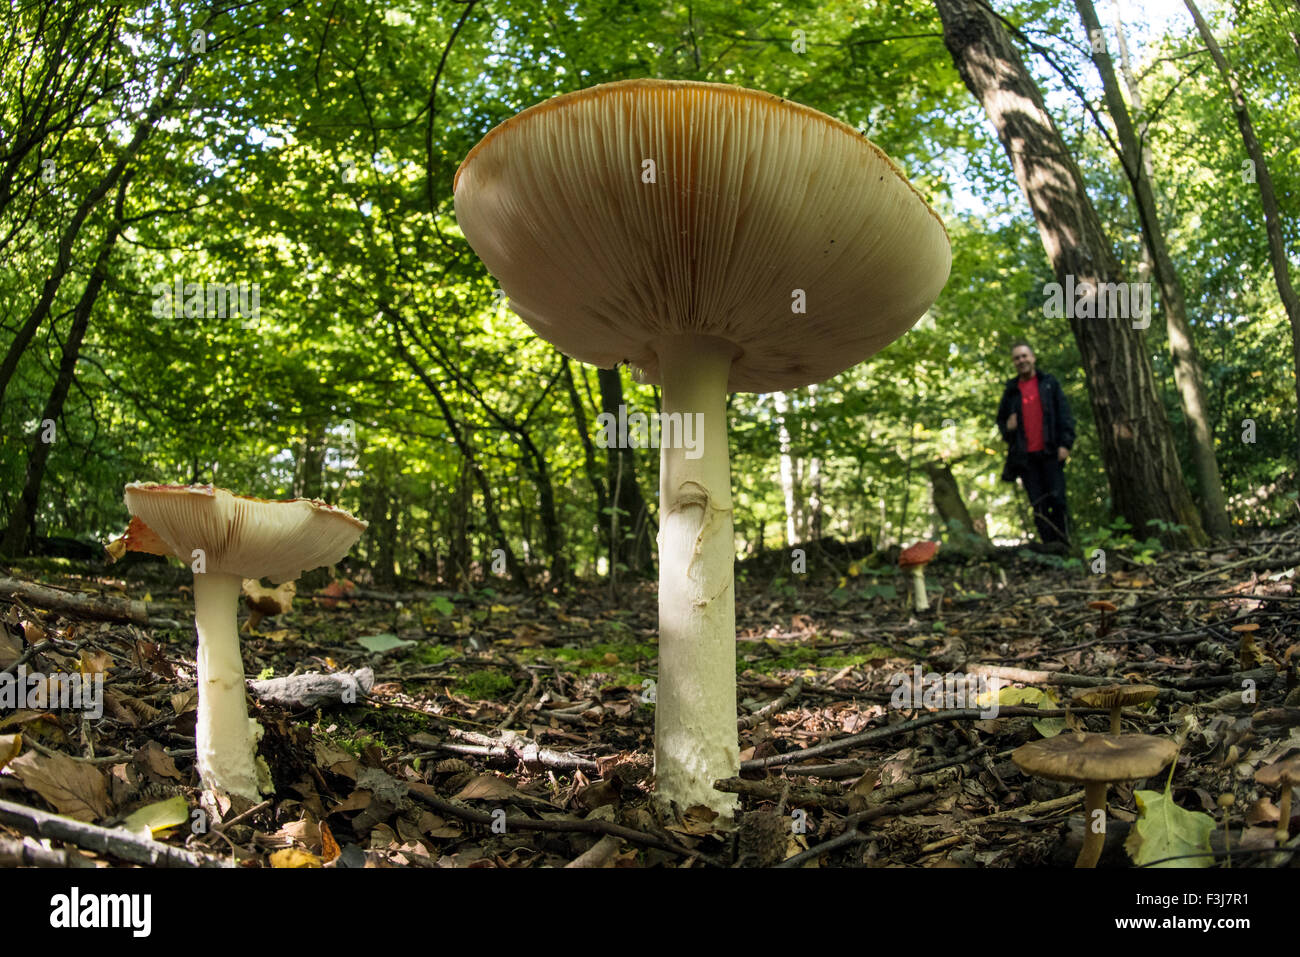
1031 414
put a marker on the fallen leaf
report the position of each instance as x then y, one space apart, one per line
185 701
152 757
485 787
159 816
10 746
294 857
376 644
1164 829
75 788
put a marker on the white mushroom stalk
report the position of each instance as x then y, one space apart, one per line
223 734
921 599
695 710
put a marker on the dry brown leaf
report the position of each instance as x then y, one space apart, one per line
329 847
485 787
75 788
94 662
11 648
185 701
153 758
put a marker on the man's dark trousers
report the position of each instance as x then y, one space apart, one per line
1045 482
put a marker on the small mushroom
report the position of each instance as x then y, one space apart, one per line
227 538
1106 608
1284 774
1096 761
915 559
1116 697
262 601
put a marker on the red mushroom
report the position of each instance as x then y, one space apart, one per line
915 559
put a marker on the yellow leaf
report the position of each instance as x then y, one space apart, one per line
10 745
294 857
159 816
499 610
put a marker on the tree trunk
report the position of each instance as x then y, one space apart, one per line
960 532
1267 197
589 459
789 491
22 518
635 545
1136 442
1188 375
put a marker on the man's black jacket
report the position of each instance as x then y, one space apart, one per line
1058 423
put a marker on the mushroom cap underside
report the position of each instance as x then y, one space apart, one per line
620 215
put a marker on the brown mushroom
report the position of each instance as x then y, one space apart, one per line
1096 761
1116 697
1284 774
914 560
1106 608
262 601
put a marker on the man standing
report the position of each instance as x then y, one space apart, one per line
1036 422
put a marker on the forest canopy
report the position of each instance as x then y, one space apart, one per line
230 256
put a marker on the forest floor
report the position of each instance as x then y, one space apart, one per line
506 730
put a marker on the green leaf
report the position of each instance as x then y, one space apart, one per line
1047 727
1164 829
384 642
444 606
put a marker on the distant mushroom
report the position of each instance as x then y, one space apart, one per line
1116 698
914 560
1096 761
719 240
262 602
1106 608
1283 774
226 538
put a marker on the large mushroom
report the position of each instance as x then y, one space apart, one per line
226 538
1096 761
717 239
1116 698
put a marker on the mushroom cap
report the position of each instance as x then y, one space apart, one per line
244 536
1116 696
1102 606
919 554
1246 628
1095 757
1283 773
753 199
269 601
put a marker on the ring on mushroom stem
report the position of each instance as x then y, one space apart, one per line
1096 761
719 239
227 538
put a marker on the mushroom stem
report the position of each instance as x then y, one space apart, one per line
918 588
695 712
1284 813
1094 798
223 734
1114 720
